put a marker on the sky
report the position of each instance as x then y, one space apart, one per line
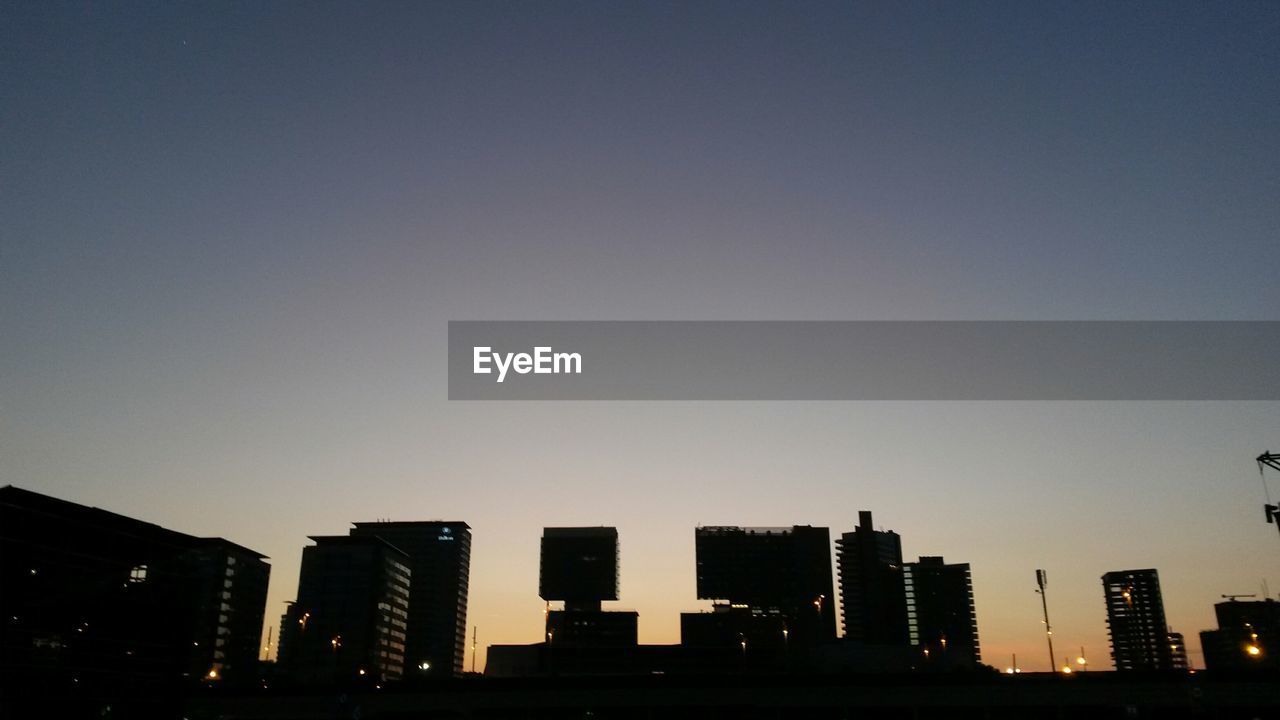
232 236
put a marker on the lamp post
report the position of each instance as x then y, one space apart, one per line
1042 579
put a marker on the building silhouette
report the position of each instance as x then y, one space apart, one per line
579 567
440 563
756 632
94 601
1247 638
769 587
940 612
1136 621
348 624
1178 651
872 594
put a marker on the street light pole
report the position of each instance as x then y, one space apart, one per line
1042 579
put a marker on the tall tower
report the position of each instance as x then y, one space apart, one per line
940 611
348 623
1136 621
440 557
872 594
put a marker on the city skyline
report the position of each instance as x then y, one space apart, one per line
232 237
1125 591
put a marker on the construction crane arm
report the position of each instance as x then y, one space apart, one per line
1269 459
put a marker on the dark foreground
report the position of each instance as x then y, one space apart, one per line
1095 695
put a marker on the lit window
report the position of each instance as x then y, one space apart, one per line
138 574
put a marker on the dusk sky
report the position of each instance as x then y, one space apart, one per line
232 236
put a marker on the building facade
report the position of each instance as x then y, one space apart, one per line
941 620
872 592
440 560
782 572
349 622
99 602
229 595
1136 621
579 567
1247 638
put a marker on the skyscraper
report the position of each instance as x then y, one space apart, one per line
940 611
349 621
95 601
440 559
1136 621
869 563
783 572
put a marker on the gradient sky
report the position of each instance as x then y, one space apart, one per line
232 234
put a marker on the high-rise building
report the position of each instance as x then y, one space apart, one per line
872 596
1136 621
95 601
349 621
230 597
579 566
770 571
1247 638
940 612
440 560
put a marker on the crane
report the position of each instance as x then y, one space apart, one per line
1271 460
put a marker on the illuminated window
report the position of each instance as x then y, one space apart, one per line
138 574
